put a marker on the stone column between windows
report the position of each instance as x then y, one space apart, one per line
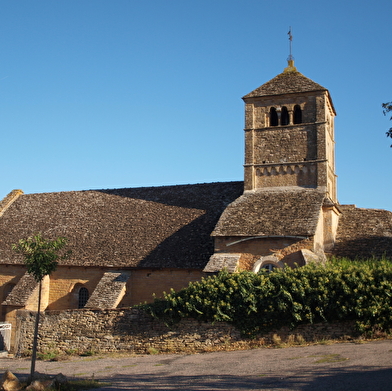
291 117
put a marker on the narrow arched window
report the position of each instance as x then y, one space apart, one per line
273 117
83 297
268 267
267 263
297 114
285 116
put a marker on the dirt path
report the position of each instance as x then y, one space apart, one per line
344 366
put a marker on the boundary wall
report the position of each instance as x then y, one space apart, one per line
133 331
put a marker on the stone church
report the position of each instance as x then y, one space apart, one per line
128 244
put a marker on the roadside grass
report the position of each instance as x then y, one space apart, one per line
322 358
329 358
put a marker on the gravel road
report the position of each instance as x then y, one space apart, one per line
335 367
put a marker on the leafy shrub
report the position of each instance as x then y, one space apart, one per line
256 303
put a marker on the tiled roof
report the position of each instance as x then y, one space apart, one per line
286 83
222 261
363 233
167 226
109 291
21 291
279 212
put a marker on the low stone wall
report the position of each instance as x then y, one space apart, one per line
136 332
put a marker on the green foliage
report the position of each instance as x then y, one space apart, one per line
48 355
387 107
255 303
40 255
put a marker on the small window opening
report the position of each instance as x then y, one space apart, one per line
83 297
285 116
269 267
297 114
273 117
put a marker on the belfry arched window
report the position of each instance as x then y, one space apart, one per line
273 117
297 114
83 297
284 116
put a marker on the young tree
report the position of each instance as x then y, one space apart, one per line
387 108
41 257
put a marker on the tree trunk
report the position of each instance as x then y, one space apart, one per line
35 340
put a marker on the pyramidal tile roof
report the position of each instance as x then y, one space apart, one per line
289 81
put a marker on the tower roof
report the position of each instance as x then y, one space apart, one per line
287 82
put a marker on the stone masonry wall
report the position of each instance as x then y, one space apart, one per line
136 332
282 155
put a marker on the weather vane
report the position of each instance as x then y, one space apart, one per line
291 58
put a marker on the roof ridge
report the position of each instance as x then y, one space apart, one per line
286 83
11 197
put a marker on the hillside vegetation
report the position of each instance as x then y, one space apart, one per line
255 303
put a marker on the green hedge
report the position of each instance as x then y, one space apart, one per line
256 303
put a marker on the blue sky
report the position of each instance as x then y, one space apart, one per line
123 93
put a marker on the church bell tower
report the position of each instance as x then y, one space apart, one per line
289 135
288 214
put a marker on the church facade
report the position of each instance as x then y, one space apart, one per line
128 244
